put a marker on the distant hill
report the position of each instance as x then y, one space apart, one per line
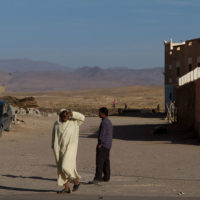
53 77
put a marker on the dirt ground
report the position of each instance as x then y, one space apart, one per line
142 163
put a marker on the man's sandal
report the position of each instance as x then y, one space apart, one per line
64 191
76 186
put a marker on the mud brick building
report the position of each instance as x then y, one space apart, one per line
182 81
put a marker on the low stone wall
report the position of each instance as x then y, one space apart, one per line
188 106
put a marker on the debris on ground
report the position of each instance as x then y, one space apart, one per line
181 193
27 102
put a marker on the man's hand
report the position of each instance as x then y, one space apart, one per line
70 114
99 146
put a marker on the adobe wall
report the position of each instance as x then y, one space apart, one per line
197 107
188 106
185 103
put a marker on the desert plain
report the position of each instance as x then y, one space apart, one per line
138 97
142 164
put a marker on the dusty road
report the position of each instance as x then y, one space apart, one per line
143 164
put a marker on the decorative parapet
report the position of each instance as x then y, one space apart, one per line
189 77
173 44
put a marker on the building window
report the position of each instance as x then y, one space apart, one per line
178 63
198 61
190 60
178 71
190 67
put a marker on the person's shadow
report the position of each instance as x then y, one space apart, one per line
32 177
26 189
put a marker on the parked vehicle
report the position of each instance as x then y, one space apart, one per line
5 116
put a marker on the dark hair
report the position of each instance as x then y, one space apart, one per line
104 110
62 112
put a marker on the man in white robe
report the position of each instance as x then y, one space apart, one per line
65 144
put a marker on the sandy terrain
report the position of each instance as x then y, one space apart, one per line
143 164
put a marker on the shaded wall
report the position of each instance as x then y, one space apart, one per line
197 107
188 106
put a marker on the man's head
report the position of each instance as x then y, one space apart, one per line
103 112
64 115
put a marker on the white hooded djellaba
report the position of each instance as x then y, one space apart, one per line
65 144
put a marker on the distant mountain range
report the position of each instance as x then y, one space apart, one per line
28 75
24 65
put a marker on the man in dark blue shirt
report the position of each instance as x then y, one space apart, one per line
105 135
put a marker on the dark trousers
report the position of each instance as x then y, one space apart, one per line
102 164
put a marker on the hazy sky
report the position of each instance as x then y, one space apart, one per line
106 33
